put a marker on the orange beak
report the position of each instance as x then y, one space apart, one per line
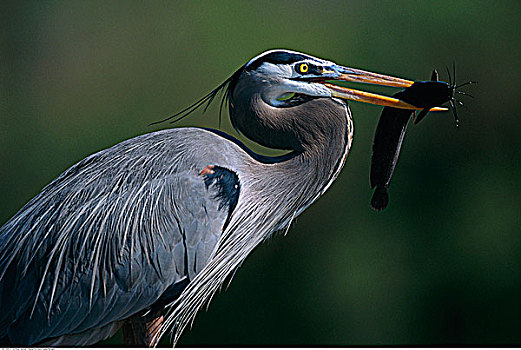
360 76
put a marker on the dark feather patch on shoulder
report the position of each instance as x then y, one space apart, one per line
227 185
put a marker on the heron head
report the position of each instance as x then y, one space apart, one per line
287 78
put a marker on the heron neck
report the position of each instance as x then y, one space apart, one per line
319 134
322 157
304 176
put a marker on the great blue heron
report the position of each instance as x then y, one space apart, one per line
142 234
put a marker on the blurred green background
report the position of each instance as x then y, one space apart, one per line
442 264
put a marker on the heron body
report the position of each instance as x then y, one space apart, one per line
151 227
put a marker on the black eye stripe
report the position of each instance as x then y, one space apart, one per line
282 56
277 57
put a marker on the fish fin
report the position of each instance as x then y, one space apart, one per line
434 76
420 115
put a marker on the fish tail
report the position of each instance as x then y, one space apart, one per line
380 198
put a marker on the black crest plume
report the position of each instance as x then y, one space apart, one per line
224 89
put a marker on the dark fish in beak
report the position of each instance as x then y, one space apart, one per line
392 125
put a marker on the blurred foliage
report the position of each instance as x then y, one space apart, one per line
440 265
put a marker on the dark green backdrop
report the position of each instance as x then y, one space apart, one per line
441 265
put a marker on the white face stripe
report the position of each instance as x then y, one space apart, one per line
276 70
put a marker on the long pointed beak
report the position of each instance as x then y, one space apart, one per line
360 76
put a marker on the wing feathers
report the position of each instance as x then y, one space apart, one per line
106 239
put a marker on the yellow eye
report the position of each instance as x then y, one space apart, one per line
303 68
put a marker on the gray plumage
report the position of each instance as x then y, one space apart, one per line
110 237
128 244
